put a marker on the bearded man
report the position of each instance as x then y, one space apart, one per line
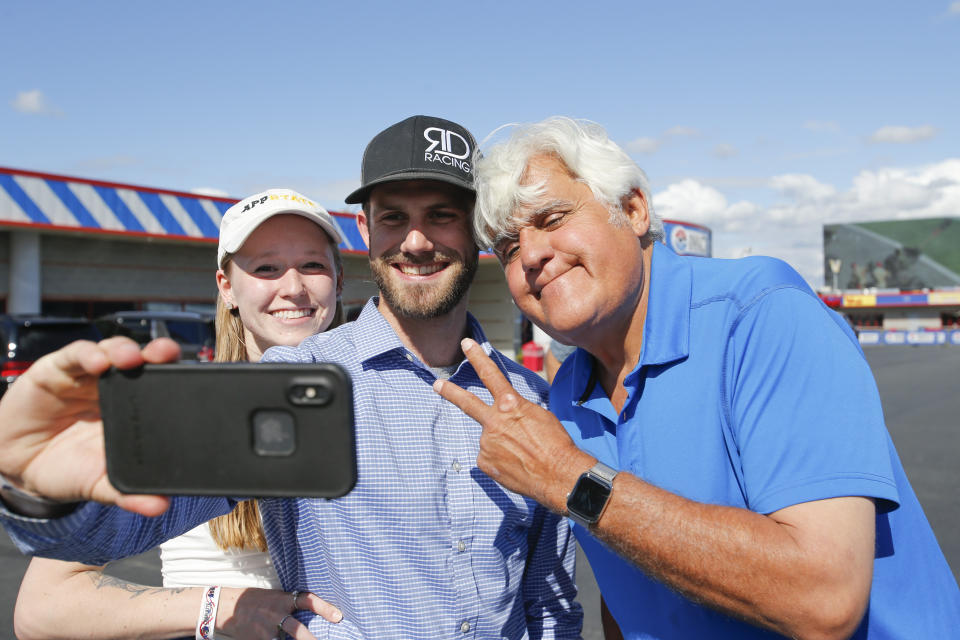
426 545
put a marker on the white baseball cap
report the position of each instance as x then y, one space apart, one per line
243 218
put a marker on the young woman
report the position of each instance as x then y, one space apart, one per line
279 278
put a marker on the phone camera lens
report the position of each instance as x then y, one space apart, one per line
314 393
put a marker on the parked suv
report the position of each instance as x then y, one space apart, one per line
193 331
27 337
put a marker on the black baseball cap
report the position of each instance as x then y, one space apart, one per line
418 148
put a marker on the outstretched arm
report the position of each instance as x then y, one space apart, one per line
66 600
51 437
51 445
804 571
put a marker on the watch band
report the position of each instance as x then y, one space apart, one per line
603 472
21 503
600 475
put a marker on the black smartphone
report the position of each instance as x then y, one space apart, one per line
230 429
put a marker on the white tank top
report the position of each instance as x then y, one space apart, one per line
194 559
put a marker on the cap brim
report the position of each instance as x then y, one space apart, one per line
237 241
361 194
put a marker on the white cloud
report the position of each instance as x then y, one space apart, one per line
922 192
903 135
690 198
34 103
724 150
802 187
210 191
954 8
792 227
643 145
693 201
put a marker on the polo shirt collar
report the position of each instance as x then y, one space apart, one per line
666 330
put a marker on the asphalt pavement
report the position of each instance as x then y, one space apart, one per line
920 390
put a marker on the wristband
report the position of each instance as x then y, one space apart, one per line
208 613
21 503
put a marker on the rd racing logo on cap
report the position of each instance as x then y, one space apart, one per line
453 148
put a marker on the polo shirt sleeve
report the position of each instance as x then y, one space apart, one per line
802 406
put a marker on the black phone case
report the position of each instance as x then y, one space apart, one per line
230 429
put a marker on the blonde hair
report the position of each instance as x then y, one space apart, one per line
241 528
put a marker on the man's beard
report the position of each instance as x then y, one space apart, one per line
423 301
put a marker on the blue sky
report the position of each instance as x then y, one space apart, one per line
761 120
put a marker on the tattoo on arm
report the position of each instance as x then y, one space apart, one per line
103 581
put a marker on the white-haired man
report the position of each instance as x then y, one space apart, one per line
718 437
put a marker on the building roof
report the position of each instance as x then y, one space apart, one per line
56 202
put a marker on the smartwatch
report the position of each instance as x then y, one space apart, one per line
585 504
21 503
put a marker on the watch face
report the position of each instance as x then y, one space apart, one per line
588 499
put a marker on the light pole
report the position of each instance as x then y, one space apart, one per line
835 268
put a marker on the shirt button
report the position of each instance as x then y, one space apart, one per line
461 546
465 626
456 466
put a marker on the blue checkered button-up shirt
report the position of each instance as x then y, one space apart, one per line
426 545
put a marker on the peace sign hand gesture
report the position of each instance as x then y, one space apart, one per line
523 446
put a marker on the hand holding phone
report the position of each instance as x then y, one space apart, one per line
230 429
51 441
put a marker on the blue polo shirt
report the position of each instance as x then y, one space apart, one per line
750 393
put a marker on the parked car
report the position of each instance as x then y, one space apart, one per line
29 337
192 330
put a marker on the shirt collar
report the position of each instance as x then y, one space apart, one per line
666 329
375 336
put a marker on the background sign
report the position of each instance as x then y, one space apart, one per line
688 239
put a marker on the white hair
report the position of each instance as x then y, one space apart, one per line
586 151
